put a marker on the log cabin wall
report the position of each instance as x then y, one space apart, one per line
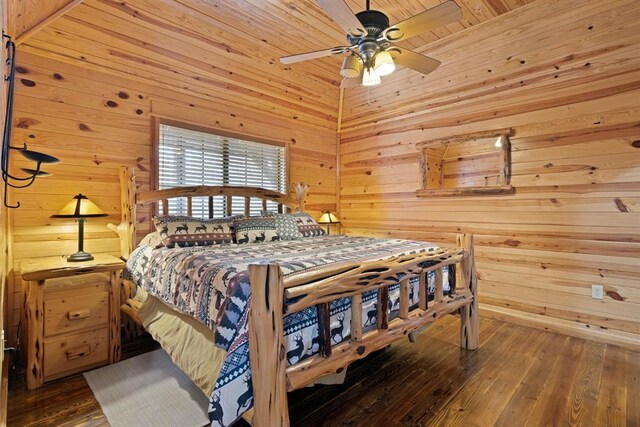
90 83
565 76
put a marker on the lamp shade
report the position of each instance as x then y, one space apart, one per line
80 207
370 77
384 63
350 67
328 218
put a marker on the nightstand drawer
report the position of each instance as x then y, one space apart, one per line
71 313
76 352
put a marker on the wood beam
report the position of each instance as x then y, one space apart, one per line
46 21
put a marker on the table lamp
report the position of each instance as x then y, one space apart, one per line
328 218
80 208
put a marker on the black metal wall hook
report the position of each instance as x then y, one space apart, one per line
40 158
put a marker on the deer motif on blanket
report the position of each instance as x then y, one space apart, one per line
371 315
298 351
245 398
216 413
338 330
315 341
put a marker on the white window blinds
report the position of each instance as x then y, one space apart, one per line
187 157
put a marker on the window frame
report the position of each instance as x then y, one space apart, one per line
155 147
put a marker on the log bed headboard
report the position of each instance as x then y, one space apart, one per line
129 199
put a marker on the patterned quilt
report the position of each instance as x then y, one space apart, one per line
211 284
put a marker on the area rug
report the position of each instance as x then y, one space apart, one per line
148 390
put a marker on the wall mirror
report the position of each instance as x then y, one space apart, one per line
472 164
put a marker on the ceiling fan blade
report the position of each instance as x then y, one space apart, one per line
413 60
313 55
437 16
340 12
350 83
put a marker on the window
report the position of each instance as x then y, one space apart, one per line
188 157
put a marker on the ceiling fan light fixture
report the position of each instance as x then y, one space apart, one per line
383 63
370 77
350 67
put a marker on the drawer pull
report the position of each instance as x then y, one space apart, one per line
79 352
79 314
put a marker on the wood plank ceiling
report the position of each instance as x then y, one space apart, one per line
152 40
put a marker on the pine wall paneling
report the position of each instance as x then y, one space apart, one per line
565 75
90 83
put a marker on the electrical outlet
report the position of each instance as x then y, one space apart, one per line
597 291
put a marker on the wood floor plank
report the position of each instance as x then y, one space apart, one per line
521 404
584 394
474 393
508 378
612 405
554 399
442 382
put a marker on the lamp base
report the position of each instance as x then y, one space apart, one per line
80 256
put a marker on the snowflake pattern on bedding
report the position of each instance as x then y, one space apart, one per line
211 284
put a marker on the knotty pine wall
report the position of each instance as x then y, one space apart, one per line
565 75
95 122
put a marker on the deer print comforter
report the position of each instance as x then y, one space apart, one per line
211 284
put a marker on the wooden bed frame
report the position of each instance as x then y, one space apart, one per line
274 296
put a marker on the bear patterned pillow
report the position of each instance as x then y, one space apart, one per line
256 229
187 231
308 226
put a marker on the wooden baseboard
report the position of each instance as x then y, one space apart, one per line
562 326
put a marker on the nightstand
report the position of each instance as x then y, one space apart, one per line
70 317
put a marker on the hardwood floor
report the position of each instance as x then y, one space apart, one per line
520 376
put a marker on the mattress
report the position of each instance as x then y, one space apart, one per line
209 286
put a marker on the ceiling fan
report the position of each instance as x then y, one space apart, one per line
371 52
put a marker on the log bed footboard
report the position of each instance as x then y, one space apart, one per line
274 296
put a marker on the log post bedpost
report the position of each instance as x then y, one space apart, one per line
267 347
469 319
126 230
